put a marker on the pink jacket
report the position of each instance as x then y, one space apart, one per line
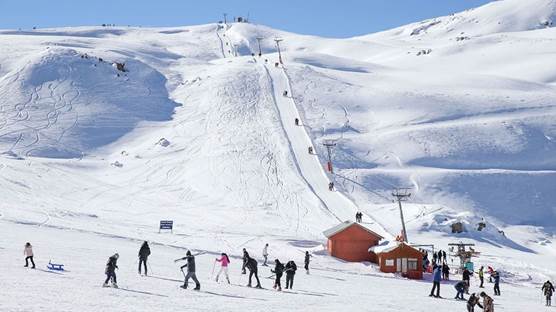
28 252
224 261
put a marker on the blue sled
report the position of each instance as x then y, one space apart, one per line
55 266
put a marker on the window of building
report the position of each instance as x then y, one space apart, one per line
412 264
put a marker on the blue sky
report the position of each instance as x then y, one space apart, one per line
331 18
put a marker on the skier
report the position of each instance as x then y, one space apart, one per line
245 258
291 267
307 260
285 93
548 290
460 287
144 253
472 302
310 149
440 257
278 270
496 277
482 276
224 261
444 256
434 257
251 265
436 275
296 120
110 270
331 186
446 271
488 303
265 254
466 277
190 270
28 253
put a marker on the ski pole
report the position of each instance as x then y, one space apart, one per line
213 266
150 268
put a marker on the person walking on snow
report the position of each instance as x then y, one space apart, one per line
472 302
265 254
460 287
251 265
291 267
445 271
482 276
245 258
296 120
548 290
496 277
110 270
466 277
144 253
307 260
488 302
331 186
436 277
28 253
190 270
224 261
278 270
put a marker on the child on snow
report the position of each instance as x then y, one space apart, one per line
224 261
110 270
548 290
28 253
278 270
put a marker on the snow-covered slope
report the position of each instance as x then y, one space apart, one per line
198 131
495 17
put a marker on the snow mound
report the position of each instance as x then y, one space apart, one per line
63 103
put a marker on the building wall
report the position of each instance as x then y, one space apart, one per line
353 244
403 251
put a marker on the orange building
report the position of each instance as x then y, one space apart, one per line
401 258
351 241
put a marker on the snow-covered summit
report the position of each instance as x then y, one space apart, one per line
495 17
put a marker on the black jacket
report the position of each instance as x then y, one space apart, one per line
466 275
307 256
190 263
145 251
278 269
111 265
291 267
251 264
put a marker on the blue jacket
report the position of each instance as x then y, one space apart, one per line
496 278
437 274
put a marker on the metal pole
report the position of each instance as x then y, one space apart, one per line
225 22
259 42
402 195
403 222
279 52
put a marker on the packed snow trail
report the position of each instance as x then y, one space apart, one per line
309 165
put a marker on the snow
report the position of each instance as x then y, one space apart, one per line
198 131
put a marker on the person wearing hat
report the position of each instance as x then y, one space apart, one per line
110 270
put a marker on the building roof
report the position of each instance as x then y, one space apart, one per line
388 247
344 225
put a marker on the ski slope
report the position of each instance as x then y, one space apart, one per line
198 131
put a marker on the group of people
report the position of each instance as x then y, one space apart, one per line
289 269
249 263
359 217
